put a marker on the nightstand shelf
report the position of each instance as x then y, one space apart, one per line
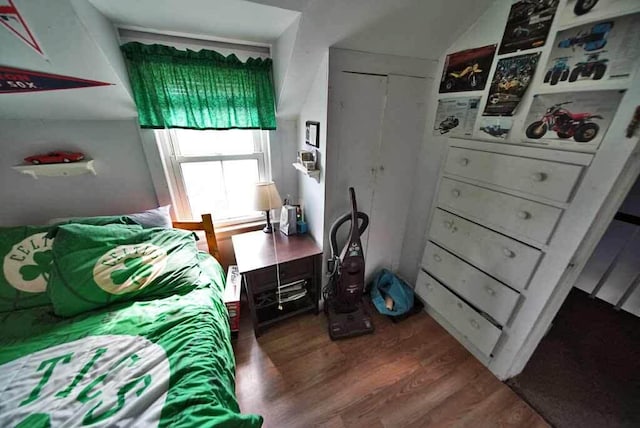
299 266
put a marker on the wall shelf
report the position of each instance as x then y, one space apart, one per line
314 173
57 169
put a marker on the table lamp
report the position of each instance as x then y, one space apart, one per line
266 199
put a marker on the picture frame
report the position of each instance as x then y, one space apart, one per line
312 133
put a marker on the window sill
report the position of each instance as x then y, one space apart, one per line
227 231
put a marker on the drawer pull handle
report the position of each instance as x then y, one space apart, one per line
490 291
450 225
539 176
459 305
475 324
524 215
508 253
455 193
464 161
437 258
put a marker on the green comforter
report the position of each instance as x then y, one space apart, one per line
165 362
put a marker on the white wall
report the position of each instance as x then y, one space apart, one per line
281 52
73 47
283 144
123 183
311 192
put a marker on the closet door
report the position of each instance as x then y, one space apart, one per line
402 133
356 106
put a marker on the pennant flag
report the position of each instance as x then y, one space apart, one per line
12 20
13 80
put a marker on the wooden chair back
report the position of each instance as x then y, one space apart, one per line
207 225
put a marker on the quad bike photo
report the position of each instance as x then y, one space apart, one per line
592 67
471 76
559 71
591 40
579 126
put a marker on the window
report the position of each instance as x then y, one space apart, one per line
215 171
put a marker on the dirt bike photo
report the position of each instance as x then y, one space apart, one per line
470 76
565 124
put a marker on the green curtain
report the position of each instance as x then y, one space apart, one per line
199 90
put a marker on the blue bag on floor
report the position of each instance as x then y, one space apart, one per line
388 284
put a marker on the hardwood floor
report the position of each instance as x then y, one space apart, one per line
411 374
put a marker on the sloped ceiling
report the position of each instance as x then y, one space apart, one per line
417 28
423 29
228 19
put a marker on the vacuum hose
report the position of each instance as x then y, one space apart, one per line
339 222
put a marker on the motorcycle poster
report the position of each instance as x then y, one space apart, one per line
528 25
580 11
456 116
601 50
574 121
467 70
495 128
510 81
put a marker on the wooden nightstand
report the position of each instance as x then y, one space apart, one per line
299 261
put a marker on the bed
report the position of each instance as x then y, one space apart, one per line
152 350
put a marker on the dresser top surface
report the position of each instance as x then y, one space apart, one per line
258 250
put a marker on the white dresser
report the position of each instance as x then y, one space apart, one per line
496 211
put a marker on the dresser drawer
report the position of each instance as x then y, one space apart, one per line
482 291
507 213
475 328
267 277
504 258
548 179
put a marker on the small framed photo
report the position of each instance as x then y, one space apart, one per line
312 135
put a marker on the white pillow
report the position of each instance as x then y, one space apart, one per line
156 217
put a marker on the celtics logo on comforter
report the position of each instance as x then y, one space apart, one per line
26 267
98 380
129 268
26 258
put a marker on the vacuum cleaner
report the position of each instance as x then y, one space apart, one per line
344 306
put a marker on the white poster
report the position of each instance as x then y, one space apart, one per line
598 51
571 120
456 116
495 128
580 11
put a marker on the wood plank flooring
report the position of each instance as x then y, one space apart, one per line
411 374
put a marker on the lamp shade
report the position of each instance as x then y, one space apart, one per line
266 197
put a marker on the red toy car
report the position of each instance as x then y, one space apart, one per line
55 157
